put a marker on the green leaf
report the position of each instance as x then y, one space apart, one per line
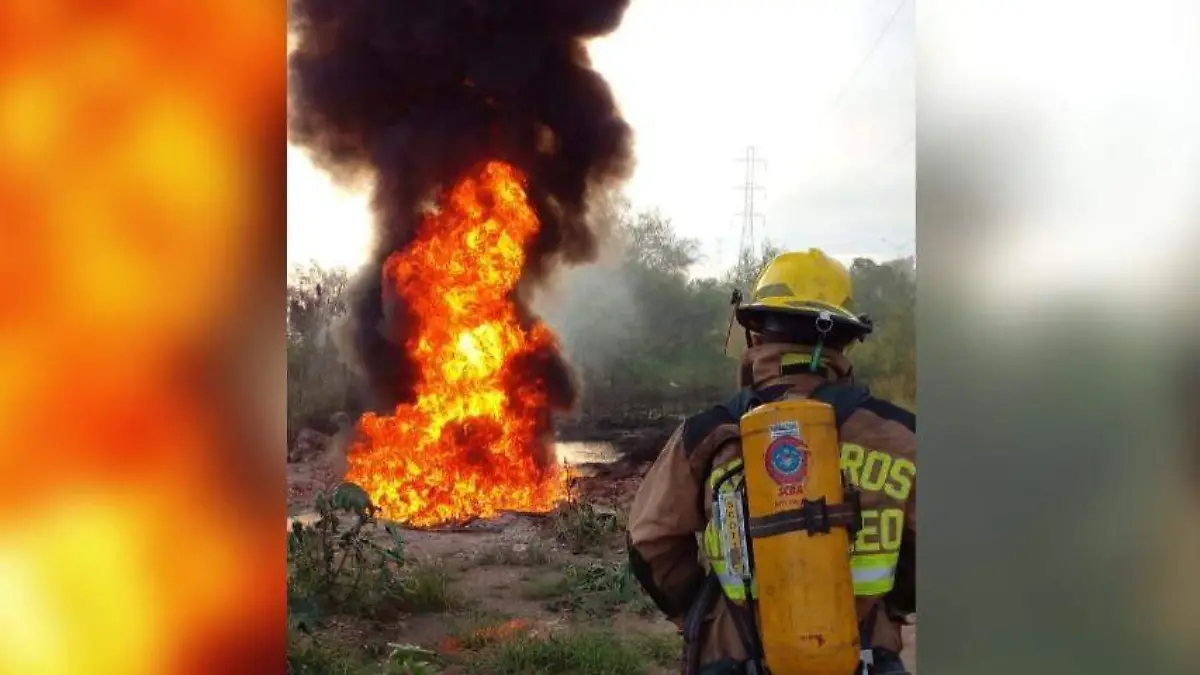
352 498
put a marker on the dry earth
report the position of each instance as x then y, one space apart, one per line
510 575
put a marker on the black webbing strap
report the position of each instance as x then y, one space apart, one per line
693 621
843 397
746 625
814 517
866 634
756 664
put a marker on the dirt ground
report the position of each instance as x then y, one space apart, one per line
518 579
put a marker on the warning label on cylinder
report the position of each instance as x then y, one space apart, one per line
786 429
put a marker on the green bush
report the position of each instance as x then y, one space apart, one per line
343 564
337 563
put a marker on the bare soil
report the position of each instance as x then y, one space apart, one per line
506 571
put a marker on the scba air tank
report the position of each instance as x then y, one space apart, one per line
799 533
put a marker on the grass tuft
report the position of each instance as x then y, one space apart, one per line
596 589
426 587
532 554
583 528
579 652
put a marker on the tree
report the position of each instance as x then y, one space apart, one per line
638 331
745 273
652 244
315 296
319 383
887 293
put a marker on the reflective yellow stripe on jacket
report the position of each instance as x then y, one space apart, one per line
873 573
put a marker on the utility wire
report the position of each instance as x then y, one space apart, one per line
870 52
829 110
890 155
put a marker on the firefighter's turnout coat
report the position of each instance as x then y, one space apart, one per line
672 509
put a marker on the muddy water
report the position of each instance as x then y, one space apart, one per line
587 452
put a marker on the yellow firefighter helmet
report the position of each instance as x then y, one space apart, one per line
802 290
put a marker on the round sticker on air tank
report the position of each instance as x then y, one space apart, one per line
787 462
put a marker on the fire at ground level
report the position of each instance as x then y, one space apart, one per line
606 457
516 581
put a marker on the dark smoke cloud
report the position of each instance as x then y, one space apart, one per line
416 92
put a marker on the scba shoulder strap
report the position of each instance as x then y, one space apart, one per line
698 427
844 397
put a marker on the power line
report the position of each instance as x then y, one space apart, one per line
896 247
891 154
886 27
829 109
750 188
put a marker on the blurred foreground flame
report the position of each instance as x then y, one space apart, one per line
127 228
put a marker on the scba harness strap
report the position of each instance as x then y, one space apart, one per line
815 517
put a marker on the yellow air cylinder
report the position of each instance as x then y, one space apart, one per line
805 594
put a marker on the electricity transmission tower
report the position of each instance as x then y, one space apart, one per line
747 253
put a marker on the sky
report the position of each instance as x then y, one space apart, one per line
823 91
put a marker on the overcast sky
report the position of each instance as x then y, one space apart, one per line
823 90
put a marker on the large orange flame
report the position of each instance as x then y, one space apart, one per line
468 445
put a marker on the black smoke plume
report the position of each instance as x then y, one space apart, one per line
414 93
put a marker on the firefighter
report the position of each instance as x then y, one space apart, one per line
799 326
